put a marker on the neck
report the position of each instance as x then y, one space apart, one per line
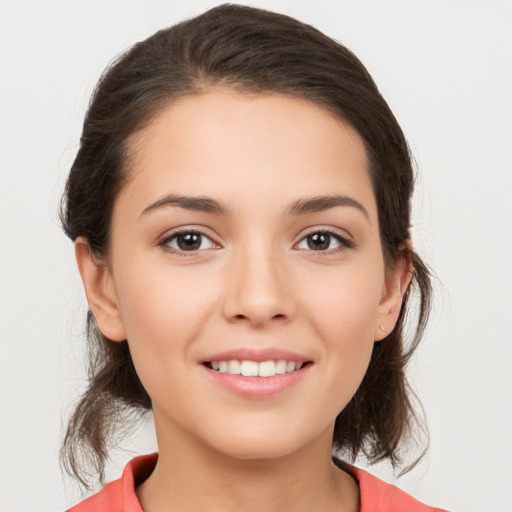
197 478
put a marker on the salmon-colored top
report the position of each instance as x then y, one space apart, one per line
119 495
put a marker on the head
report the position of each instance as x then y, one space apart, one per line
251 54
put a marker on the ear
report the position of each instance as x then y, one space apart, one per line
397 281
100 291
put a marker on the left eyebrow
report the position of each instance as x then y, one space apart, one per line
321 203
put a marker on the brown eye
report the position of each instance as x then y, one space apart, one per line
319 241
188 241
324 241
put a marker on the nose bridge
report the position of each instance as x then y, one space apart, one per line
259 290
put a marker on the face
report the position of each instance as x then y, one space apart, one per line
246 271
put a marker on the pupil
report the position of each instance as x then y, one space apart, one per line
189 241
319 241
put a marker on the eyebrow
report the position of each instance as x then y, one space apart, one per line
321 203
299 207
201 203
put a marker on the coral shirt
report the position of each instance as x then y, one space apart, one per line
119 495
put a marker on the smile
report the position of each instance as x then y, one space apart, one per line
248 368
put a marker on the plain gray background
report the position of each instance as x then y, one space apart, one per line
445 67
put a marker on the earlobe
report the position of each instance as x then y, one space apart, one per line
100 291
396 283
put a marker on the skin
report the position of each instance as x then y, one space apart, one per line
255 282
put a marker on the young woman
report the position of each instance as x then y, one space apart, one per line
240 207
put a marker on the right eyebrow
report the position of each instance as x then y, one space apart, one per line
200 203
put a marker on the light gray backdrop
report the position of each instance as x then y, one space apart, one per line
445 67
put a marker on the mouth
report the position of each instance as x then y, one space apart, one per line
249 368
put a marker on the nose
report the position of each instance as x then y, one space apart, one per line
258 288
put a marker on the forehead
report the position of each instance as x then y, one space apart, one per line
239 145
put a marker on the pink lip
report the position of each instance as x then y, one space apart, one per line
257 387
256 354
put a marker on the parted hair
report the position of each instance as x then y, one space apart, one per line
255 51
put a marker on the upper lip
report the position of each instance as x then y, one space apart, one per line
256 354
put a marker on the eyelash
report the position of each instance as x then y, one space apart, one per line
344 242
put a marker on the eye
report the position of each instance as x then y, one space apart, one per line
324 241
187 241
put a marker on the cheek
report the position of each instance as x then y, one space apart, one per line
161 297
343 316
163 312
163 315
346 306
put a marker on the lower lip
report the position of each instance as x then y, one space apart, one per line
257 387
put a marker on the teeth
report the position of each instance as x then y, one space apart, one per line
248 369
234 367
267 369
280 366
254 369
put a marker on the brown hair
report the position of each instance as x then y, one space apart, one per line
258 51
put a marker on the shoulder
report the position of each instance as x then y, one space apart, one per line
108 499
119 495
379 496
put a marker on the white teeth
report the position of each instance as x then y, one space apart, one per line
234 367
249 368
267 369
254 369
280 366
